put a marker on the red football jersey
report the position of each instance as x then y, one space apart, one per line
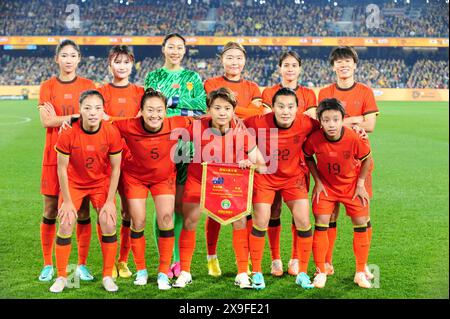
64 97
89 153
357 100
285 155
306 97
122 101
337 161
150 152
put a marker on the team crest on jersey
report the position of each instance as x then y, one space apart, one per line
190 86
346 154
175 86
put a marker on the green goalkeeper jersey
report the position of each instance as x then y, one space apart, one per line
183 89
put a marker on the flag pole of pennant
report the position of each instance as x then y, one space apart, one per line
226 194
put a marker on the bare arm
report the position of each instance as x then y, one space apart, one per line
257 158
367 122
360 190
49 118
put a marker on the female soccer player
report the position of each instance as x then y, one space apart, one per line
338 179
220 133
84 153
285 176
58 102
248 97
122 100
361 110
150 167
289 67
186 97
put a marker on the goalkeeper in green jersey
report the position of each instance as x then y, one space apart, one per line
186 96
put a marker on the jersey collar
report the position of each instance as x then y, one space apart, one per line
150 132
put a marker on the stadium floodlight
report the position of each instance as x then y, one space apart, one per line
335 4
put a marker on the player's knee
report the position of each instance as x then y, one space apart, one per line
190 222
240 224
303 223
66 229
138 224
165 221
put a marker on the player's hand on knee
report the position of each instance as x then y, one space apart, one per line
361 192
108 213
318 189
67 214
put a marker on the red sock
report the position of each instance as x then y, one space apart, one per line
305 240
138 248
125 241
249 226
109 250
240 246
84 233
63 247
320 246
256 245
166 242
332 234
48 234
187 247
360 248
273 232
294 254
212 235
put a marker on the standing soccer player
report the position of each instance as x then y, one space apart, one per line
338 179
361 110
58 102
84 153
222 139
248 97
285 176
122 100
150 167
186 97
289 67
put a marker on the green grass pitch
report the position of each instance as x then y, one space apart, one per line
409 215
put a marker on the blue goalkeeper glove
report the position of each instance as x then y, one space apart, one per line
173 101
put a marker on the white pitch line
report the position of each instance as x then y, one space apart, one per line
22 120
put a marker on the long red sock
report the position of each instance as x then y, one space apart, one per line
360 247
320 246
256 245
212 235
63 247
305 240
240 246
332 234
48 234
138 248
109 250
187 247
294 253
166 242
273 233
125 241
84 233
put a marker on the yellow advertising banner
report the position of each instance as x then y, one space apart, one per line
216 40
438 95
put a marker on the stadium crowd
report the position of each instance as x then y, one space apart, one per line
377 73
221 18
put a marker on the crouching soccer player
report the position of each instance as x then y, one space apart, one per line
84 153
221 137
338 179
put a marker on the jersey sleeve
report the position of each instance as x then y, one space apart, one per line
198 101
322 95
63 145
369 106
308 147
115 141
90 85
362 150
44 92
266 97
209 85
256 92
310 99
